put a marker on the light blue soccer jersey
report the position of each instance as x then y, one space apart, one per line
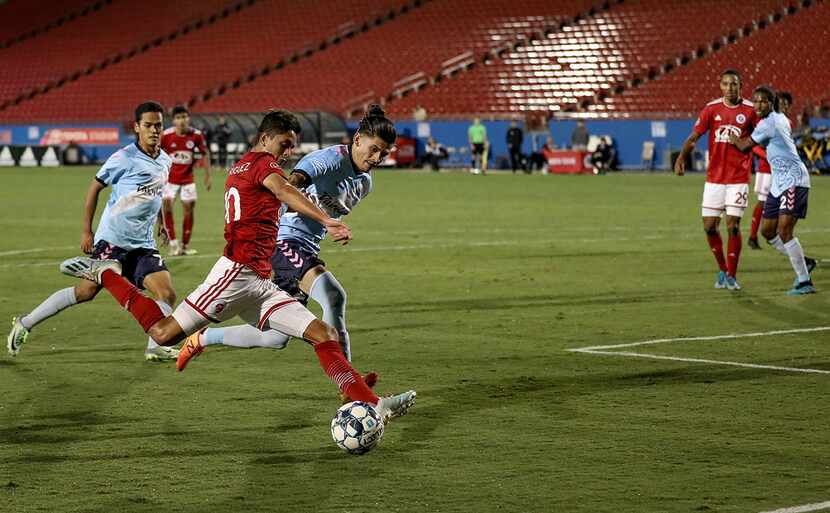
774 132
137 181
335 187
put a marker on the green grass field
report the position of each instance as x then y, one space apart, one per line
471 290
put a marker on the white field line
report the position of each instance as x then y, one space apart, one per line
672 234
605 350
806 508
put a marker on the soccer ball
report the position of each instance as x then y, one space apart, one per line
356 427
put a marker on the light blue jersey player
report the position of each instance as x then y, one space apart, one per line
787 201
137 174
337 178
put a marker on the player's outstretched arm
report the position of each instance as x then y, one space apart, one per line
206 166
298 202
688 146
90 204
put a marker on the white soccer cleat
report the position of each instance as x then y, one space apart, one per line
175 248
17 337
88 268
189 252
395 405
161 354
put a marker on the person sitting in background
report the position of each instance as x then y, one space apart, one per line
580 137
602 159
539 159
433 153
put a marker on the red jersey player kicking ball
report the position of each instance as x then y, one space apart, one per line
727 178
184 144
239 283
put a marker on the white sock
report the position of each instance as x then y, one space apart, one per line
245 336
796 255
58 301
328 292
166 310
778 244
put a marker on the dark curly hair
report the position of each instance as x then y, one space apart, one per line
769 92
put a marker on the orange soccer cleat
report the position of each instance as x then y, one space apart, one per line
190 349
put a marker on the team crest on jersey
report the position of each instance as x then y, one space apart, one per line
740 118
189 145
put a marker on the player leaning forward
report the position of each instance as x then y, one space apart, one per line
239 284
137 174
787 201
727 178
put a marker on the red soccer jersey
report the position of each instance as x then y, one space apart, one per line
180 148
727 164
763 165
251 212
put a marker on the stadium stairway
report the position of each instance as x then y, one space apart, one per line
100 40
397 56
572 67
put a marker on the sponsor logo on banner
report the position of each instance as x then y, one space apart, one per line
80 136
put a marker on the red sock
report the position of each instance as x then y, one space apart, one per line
144 309
187 228
716 243
341 372
733 254
169 225
756 220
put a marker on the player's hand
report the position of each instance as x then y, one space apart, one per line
338 231
680 166
208 183
733 139
87 238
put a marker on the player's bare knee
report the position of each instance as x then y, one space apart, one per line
86 291
319 332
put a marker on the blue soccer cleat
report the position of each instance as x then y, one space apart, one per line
732 283
800 289
721 283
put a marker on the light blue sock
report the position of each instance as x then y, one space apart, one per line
328 292
213 336
245 336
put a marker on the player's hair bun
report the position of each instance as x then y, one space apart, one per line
375 110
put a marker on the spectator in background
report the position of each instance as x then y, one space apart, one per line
580 136
477 137
603 157
515 137
539 159
419 113
221 135
433 154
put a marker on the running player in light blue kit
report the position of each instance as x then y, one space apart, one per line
787 200
137 174
335 178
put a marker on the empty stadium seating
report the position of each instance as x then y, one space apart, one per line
80 46
17 17
246 43
559 70
766 56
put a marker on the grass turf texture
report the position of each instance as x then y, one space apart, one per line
468 289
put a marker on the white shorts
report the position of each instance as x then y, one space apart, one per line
763 181
234 289
719 197
187 191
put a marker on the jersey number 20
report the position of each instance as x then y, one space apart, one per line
232 195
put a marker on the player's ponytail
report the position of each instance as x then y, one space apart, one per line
376 124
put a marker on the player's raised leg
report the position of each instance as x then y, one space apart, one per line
160 285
